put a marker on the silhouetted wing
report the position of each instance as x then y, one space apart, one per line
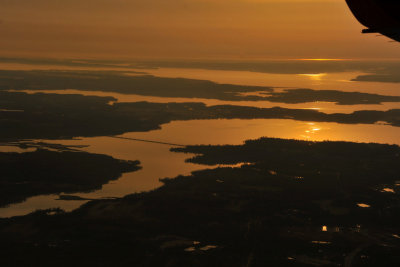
379 16
394 34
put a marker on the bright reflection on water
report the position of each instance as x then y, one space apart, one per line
158 162
363 205
388 190
341 81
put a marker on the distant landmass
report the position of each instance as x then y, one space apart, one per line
44 116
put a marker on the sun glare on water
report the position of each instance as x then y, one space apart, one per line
314 76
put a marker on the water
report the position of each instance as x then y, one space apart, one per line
158 162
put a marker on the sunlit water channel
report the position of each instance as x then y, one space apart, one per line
158 162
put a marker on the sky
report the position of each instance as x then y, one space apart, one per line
186 29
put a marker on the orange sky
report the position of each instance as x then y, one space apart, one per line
245 29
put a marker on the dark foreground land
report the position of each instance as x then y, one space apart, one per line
290 203
43 171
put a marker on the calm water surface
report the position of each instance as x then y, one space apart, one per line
158 162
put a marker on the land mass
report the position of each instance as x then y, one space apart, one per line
43 172
148 85
291 203
44 116
125 83
296 96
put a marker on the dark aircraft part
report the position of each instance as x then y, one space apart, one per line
379 16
